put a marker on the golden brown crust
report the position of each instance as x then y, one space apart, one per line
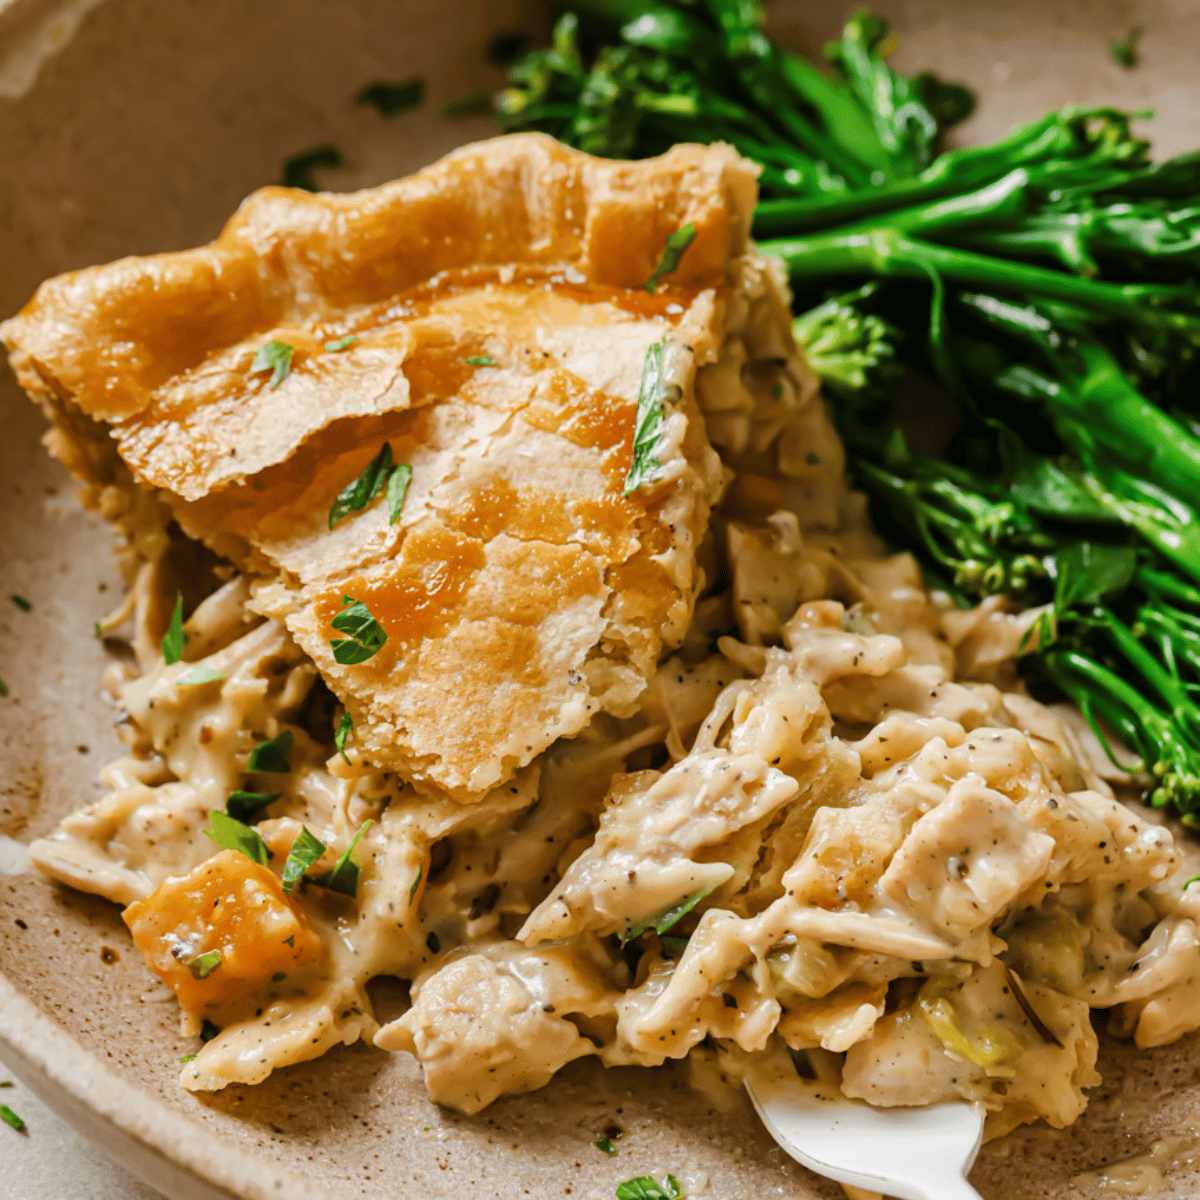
521 590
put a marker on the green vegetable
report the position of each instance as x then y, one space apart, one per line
187 1058
648 421
243 805
21 603
231 834
416 883
342 343
173 640
298 170
305 851
273 356
482 360
198 675
342 734
391 99
671 916
605 1145
11 1119
1124 50
645 1187
344 876
3 688
397 490
673 252
203 965
366 635
378 472
271 756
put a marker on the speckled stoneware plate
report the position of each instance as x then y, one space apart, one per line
130 126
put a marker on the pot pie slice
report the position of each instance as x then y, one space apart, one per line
485 323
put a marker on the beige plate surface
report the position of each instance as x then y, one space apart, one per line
142 133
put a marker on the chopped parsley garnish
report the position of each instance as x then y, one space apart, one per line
342 343
187 1058
391 99
506 48
199 675
673 252
21 602
661 923
380 470
1124 50
6 1083
3 688
271 756
649 420
208 1030
298 170
342 734
478 105
604 1145
97 630
344 876
276 357
230 834
397 489
11 1119
357 495
644 1187
416 883
366 636
203 965
241 806
173 639
482 360
305 851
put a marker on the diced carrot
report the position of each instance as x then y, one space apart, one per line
230 905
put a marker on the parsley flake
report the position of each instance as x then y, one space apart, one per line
673 252
241 806
230 834
357 495
1124 50
173 639
604 1145
481 360
21 602
342 343
397 489
672 916
298 170
344 729
391 99
271 756
187 1058
6 1083
648 423
199 675
11 1119
644 1187
305 851
276 357
367 636
203 965
3 688
416 883
477 105
344 876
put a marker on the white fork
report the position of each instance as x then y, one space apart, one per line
909 1153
